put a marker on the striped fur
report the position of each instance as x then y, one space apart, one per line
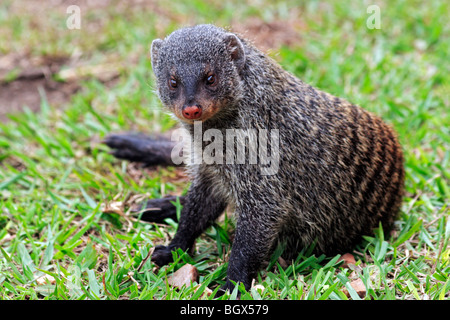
341 167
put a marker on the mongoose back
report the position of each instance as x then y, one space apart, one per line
339 171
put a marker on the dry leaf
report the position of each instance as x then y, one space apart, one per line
259 287
184 276
283 263
358 286
45 279
207 291
113 207
348 259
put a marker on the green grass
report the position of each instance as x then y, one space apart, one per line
55 176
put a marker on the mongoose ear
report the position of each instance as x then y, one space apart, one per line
156 45
236 50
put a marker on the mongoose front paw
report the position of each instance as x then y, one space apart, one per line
162 255
158 210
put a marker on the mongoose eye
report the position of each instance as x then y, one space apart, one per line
173 83
211 80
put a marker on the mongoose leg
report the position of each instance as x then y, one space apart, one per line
202 206
251 246
140 148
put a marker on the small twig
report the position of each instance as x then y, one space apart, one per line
134 280
145 259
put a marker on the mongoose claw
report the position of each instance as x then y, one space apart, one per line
162 255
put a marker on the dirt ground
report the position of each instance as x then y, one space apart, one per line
24 80
32 79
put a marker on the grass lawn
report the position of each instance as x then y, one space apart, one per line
65 227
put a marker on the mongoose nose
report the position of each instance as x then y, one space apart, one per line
192 112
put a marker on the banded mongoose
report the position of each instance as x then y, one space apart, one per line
340 168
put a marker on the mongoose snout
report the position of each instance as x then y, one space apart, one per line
192 112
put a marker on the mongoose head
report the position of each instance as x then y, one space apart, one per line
198 72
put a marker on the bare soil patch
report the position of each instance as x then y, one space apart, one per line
24 81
